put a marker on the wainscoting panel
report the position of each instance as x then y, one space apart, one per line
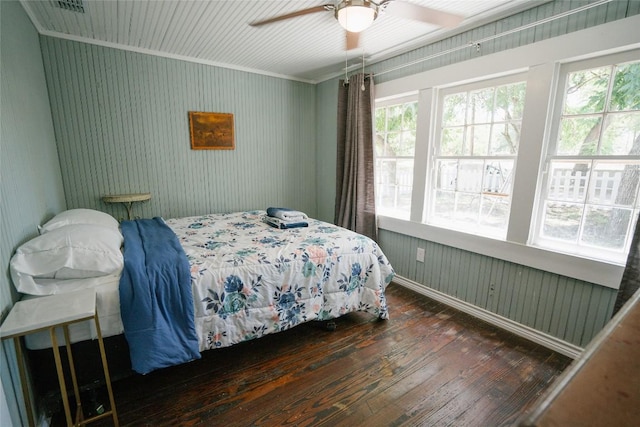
569 309
122 126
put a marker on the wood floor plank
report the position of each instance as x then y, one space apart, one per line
427 365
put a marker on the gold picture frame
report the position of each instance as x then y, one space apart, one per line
211 131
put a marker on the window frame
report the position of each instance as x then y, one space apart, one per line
434 152
541 61
388 102
556 114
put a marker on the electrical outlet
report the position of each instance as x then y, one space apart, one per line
420 255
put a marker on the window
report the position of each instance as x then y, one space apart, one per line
590 200
394 151
475 156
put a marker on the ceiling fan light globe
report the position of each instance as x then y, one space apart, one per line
356 17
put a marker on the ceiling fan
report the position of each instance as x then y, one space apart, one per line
357 15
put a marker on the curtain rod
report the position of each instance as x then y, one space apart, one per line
478 43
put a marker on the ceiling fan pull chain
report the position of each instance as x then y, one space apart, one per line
363 76
346 76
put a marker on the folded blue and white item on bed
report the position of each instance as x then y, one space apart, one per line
282 224
287 214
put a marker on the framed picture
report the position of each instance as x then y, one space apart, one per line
211 131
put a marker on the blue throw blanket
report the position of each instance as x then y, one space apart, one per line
156 301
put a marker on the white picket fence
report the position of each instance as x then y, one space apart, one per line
571 185
568 184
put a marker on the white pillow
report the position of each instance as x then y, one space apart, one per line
71 252
79 216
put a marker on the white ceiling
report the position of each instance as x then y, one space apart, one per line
307 48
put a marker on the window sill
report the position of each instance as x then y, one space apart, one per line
589 270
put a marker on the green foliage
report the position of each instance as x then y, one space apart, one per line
396 129
588 96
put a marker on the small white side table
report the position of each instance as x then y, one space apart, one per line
127 200
51 312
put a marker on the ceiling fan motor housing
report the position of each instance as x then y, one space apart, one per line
356 15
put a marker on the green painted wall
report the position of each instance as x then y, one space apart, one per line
566 308
121 124
30 179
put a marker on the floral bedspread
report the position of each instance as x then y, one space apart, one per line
250 279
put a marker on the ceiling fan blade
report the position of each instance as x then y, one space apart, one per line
422 13
353 40
322 8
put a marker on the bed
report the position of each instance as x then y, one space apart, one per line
246 279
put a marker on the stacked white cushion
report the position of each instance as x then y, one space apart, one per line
70 249
80 216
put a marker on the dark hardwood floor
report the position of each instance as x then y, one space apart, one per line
429 365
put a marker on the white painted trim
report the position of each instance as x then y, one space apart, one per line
548 341
170 55
599 40
589 270
153 52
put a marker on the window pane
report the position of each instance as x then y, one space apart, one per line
587 91
620 134
568 181
444 204
606 227
410 116
614 184
404 182
452 142
510 102
394 118
394 142
495 211
497 177
478 137
579 136
467 208
381 118
480 106
380 144
394 179
505 138
626 88
561 221
408 145
394 149
470 175
454 109
447 174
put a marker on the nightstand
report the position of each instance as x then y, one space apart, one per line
49 313
127 200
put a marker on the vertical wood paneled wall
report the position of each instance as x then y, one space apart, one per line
30 180
566 308
121 123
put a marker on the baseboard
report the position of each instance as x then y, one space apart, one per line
546 340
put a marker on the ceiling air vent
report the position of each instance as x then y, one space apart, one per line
72 5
